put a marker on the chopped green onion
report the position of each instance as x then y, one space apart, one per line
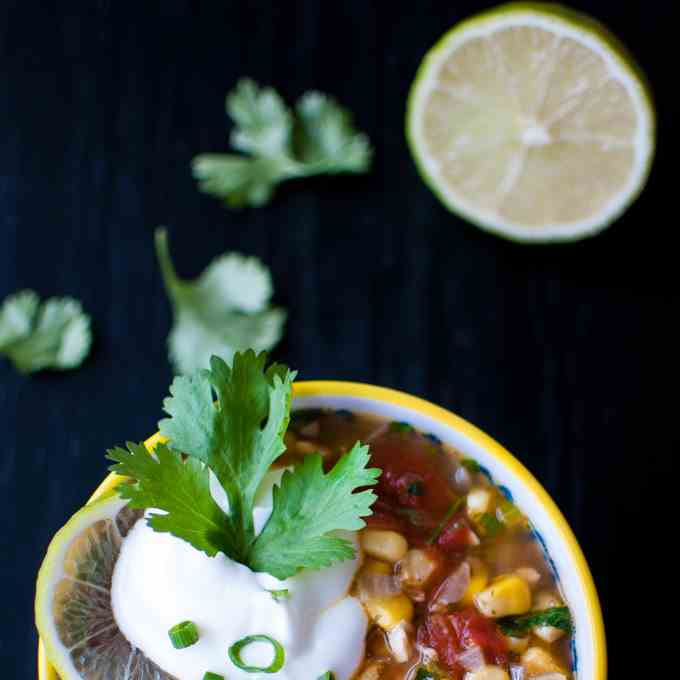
213 676
471 465
416 489
490 525
276 664
326 676
401 427
183 635
453 509
279 595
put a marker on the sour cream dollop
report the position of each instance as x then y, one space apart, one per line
160 580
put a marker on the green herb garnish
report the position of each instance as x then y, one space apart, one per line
519 626
426 674
183 635
471 465
238 438
279 144
400 427
326 676
279 595
453 509
509 513
213 676
490 524
226 309
38 335
275 666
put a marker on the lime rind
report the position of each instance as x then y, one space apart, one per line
52 571
582 28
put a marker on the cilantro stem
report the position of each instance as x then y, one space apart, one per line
168 272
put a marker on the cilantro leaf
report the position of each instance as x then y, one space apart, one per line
230 437
326 136
224 310
37 335
308 505
319 138
519 626
263 121
179 488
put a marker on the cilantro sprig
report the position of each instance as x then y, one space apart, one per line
278 144
230 420
225 309
37 335
519 626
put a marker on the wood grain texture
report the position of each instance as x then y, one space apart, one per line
566 354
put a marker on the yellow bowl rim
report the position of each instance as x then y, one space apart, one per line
314 388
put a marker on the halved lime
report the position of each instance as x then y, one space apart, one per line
531 121
73 601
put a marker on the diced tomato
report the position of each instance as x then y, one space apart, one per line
410 490
457 536
474 629
450 634
441 636
410 476
383 517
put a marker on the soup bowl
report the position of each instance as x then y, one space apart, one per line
552 531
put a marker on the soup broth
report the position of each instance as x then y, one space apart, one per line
453 581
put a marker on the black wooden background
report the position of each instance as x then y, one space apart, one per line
565 354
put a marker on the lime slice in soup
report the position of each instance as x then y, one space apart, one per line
73 601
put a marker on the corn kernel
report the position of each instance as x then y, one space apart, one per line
488 673
505 596
389 612
478 502
479 577
537 661
372 671
377 567
384 545
517 645
304 448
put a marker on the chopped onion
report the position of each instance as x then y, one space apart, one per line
453 587
372 584
400 643
516 672
427 655
463 479
311 430
471 659
529 574
415 568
